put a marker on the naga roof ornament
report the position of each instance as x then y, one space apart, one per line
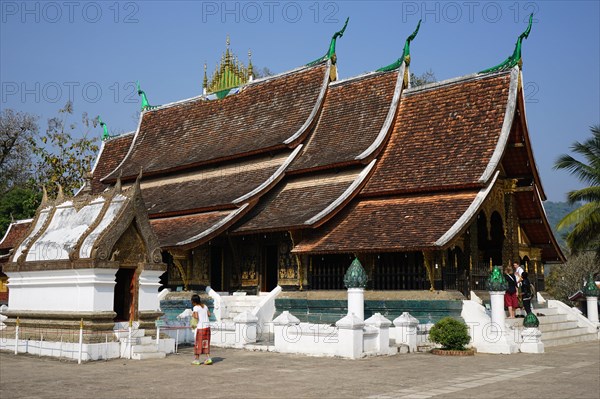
145 104
331 52
105 135
515 58
405 54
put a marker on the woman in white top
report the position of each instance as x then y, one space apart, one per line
202 342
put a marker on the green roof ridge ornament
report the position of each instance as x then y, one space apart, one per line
496 281
356 277
145 104
515 58
590 288
105 135
531 321
331 52
405 54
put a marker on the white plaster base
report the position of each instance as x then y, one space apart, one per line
531 341
592 309
66 350
356 302
62 290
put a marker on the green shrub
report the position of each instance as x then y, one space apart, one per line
450 333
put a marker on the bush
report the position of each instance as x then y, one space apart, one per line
450 333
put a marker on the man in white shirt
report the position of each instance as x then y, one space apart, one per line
518 276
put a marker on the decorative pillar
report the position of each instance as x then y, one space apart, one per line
510 248
531 335
350 334
591 292
383 327
406 330
355 281
497 286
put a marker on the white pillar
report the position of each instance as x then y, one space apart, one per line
532 342
383 326
356 302
406 330
350 334
498 315
592 309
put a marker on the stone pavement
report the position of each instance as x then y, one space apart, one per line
570 371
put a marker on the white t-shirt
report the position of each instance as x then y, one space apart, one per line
518 271
203 321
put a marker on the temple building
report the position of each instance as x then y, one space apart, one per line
283 180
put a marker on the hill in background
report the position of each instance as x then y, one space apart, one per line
555 212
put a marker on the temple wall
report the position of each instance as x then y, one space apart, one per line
62 290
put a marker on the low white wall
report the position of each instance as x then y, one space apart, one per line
307 338
68 350
80 290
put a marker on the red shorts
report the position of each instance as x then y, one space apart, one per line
511 300
202 344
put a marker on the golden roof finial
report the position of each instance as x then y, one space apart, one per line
205 81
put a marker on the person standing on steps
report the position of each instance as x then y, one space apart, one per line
510 295
518 269
201 313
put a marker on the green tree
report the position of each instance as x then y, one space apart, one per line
423 79
62 158
17 203
586 218
566 279
17 129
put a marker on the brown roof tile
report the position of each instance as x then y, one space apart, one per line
352 117
262 115
443 136
15 233
210 187
296 201
389 224
112 153
171 231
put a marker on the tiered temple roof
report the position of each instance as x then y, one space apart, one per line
366 164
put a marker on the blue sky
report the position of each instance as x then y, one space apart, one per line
93 51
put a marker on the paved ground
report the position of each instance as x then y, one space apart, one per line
565 372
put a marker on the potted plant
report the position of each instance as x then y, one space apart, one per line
452 335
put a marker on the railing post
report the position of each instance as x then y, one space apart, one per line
17 337
80 341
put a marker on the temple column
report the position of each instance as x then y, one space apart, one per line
510 249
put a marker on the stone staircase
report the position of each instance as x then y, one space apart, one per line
236 304
140 346
557 327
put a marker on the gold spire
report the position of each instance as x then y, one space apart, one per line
230 73
250 67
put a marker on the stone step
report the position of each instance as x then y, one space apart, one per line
149 348
134 334
149 355
545 311
569 340
564 333
145 340
565 325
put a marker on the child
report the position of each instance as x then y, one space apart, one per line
202 342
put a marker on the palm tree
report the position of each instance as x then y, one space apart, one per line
585 219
